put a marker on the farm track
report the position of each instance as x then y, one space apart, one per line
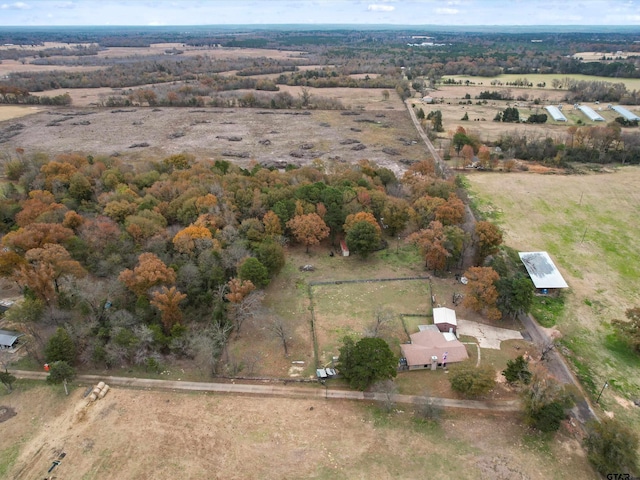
276 390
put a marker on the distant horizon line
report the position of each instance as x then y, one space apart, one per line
338 25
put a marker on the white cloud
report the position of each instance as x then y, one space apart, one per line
447 11
15 6
381 8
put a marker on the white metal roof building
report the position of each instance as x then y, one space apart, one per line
624 112
8 338
555 113
542 270
591 113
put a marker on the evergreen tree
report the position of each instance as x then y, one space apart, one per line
60 348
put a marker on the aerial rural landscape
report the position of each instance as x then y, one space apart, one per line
327 252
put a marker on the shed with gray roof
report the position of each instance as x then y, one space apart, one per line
8 339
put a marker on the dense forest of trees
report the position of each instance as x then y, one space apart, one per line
178 250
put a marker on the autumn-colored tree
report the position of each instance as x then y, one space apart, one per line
119 209
167 300
425 208
186 239
72 220
467 153
451 212
99 232
9 262
484 155
431 242
39 279
321 210
396 214
238 289
39 207
308 229
56 256
419 171
272 226
57 175
489 239
144 225
150 272
354 218
36 235
481 292
206 203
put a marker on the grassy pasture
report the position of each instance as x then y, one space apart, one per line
588 225
536 78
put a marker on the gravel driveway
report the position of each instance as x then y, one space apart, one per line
487 336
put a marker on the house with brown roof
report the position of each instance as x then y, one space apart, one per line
430 342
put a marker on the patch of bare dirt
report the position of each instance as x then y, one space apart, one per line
6 413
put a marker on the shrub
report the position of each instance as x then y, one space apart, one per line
472 381
517 371
612 447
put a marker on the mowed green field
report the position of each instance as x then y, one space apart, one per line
536 78
588 224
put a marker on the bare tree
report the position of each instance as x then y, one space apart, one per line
250 360
383 317
282 330
427 407
546 349
246 309
388 389
207 345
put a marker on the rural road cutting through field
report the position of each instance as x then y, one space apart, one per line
275 390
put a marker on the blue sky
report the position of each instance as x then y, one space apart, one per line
394 12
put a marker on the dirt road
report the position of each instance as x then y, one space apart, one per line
274 390
558 368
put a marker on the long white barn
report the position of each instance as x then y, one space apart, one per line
624 112
591 113
555 113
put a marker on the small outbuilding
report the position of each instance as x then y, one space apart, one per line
344 248
543 272
9 339
430 343
445 319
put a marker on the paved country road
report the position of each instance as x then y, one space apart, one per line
274 390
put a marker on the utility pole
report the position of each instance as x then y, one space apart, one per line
606 384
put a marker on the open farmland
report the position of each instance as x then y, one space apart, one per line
588 225
451 102
134 434
536 78
296 137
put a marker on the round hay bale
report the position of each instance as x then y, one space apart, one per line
104 391
93 397
100 385
97 390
